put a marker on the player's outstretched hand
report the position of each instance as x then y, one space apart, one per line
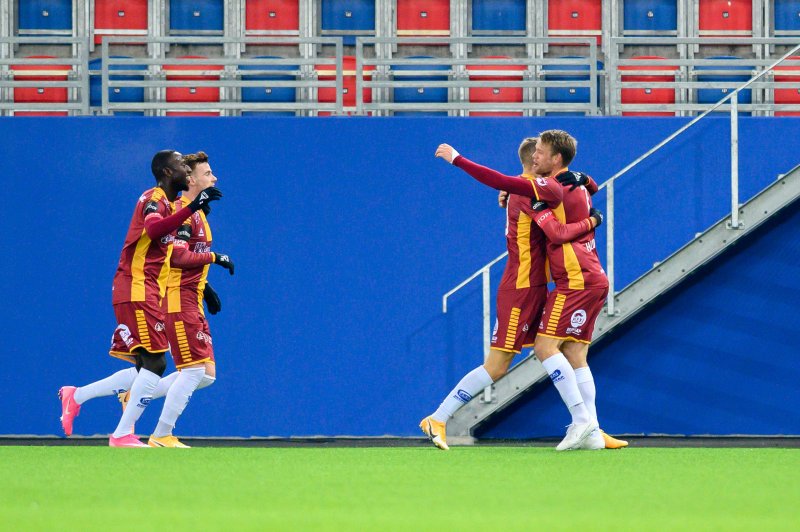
446 152
597 215
212 299
224 261
573 179
538 206
204 198
502 199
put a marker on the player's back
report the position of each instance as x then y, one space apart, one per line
526 246
143 264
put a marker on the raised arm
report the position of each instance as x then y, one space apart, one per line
487 176
157 226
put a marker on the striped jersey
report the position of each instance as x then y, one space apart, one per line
144 264
526 265
186 283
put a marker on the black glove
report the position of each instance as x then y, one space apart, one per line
206 195
212 299
206 209
538 206
224 261
573 179
597 215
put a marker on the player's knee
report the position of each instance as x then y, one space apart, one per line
496 373
211 370
157 363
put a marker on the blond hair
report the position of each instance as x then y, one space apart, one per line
560 142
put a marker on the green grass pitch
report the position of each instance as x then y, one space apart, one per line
398 488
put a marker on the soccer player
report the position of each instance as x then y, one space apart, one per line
521 296
139 285
581 285
187 328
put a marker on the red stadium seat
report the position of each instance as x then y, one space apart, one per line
272 17
119 17
574 18
726 18
192 94
40 94
495 94
328 73
788 96
423 18
652 96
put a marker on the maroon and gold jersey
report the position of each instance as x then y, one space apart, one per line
526 265
186 282
144 264
573 265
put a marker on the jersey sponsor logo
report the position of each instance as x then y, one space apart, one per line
463 396
590 245
578 318
540 220
542 182
202 247
159 326
151 207
124 333
167 239
556 376
573 330
203 337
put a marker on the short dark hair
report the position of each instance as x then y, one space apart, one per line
526 149
193 159
161 162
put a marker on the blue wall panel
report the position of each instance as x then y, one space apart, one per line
345 233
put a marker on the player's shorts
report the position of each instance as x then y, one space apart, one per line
189 338
518 314
571 314
141 324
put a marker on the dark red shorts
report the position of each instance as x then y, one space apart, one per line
518 313
189 338
571 314
141 324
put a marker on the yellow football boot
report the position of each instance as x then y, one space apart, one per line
166 441
612 442
435 431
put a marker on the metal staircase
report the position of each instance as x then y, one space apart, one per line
705 247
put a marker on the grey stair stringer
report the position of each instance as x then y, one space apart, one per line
663 277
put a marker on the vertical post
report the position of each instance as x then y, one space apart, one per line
735 161
610 246
487 326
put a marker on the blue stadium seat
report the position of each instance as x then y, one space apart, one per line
196 17
569 94
115 94
710 96
787 17
498 17
420 94
45 17
655 18
348 18
267 94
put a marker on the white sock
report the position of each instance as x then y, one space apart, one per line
472 383
585 380
563 376
177 398
141 395
113 384
207 381
163 385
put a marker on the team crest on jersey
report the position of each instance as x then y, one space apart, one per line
542 182
578 318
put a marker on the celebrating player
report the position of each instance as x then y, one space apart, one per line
139 285
521 296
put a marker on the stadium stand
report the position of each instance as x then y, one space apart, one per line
500 94
328 73
118 17
44 17
786 18
347 19
498 17
196 17
721 74
43 94
575 18
272 17
423 18
420 94
725 18
115 94
268 94
648 95
788 74
563 72
192 94
652 18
